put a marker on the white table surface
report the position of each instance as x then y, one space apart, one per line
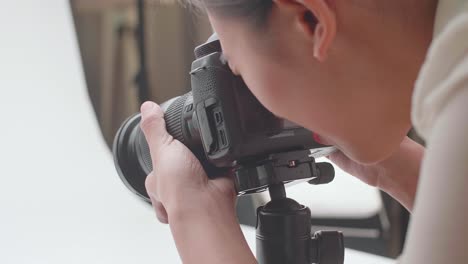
60 198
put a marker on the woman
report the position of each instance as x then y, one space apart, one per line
358 73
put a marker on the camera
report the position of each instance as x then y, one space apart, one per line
222 123
228 129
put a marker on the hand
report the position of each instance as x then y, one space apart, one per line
178 182
201 212
398 175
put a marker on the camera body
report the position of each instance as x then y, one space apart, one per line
233 125
223 124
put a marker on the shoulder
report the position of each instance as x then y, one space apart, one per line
438 232
445 71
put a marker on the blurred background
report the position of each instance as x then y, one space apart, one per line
133 51
136 50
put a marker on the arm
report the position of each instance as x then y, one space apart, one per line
397 175
210 234
200 212
438 231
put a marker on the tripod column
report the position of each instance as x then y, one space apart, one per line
283 234
283 230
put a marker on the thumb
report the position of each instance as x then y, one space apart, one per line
154 127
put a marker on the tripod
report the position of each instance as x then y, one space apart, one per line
284 225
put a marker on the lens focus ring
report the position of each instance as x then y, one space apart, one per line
173 116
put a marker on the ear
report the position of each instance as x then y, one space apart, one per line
317 19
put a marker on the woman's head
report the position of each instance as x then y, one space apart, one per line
344 69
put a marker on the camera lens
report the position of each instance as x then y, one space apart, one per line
131 152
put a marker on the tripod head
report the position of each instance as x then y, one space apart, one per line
283 225
286 167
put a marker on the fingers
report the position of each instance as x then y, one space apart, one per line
339 158
161 212
154 127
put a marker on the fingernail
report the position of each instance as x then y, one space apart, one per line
147 107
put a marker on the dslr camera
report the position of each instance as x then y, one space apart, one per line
226 127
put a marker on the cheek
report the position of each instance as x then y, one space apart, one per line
292 96
264 85
298 94
285 95
268 83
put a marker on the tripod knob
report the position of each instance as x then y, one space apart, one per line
327 247
325 174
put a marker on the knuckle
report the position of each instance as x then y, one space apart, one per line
163 145
195 166
150 121
167 139
150 183
158 111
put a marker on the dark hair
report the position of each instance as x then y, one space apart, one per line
255 11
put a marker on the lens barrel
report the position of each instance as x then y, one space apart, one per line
132 156
131 152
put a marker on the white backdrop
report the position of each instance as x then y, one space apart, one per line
60 198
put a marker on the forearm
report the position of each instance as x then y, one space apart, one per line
400 174
209 234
